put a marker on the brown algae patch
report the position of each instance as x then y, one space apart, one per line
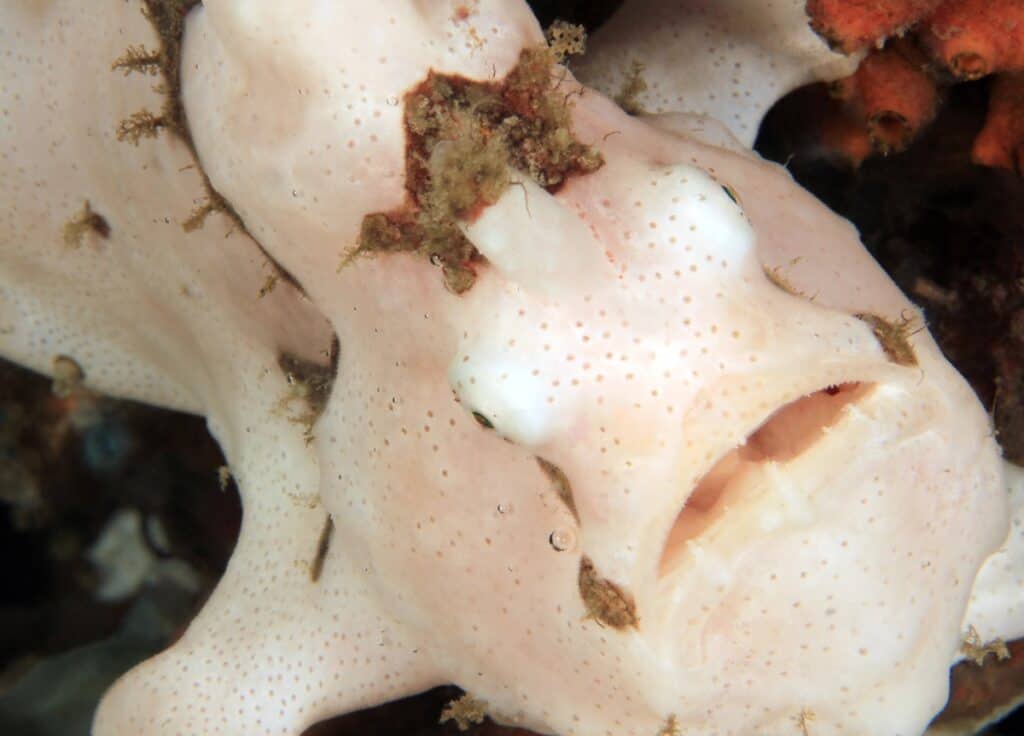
309 385
85 221
560 483
605 601
462 137
168 20
634 85
68 376
323 545
775 276
894 337
167 17
670 727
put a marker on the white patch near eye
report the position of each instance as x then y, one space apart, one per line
511 399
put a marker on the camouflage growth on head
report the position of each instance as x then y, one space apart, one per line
462 139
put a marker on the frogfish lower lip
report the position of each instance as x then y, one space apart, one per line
787 433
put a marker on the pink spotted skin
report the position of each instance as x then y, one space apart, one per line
793 519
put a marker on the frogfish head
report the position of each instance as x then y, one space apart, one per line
636 475
681 458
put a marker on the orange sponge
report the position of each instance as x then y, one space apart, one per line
977 37
844 134
851 25
1001 142
893 94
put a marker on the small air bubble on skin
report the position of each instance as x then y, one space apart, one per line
562 540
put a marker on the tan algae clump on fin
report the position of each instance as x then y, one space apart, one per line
975 650
68 376
466 711
632 87
566 39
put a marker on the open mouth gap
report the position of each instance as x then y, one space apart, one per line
787 433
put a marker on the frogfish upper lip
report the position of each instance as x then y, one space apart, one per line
787 433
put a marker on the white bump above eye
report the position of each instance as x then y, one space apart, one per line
535 241
689 215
